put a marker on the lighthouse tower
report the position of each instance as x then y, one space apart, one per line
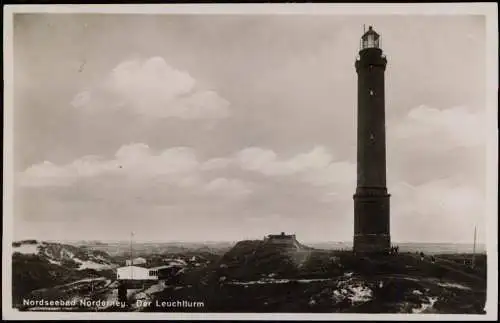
371 200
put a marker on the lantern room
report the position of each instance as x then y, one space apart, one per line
370 39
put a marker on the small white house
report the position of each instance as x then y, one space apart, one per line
135 261
136 273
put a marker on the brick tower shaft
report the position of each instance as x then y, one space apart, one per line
371 200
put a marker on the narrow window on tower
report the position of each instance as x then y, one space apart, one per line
372 93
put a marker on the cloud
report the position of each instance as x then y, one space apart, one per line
446 142
429 142
136 162
49 174
224 186
180 164
314 175
45 174
267 162
434 130
255 183
316 167
318 158
216 164
261 160
447 208
152 88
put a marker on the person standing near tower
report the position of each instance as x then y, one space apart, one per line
371 200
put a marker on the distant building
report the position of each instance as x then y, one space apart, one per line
165 271
279 237
283 240
135 261
135 273
139 273
175 261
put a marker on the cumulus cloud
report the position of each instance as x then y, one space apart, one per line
226 186
431 141
260 182
317 167
45 174
137 162
49 174
216 164
155 89
261 160
430 129
442 208
233 176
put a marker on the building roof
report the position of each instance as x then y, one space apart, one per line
281 236
140 267
162 267
138 259
370 31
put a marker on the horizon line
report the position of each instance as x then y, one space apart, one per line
231 241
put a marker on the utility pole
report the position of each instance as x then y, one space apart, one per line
131 259
474 248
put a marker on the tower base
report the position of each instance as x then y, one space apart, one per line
371 220
372 243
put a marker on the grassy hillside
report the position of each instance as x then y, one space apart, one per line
31 272
256 277
37 265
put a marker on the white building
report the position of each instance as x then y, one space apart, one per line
136 273
135 261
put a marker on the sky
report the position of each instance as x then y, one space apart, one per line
228 127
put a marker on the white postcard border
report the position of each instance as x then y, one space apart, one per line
489 10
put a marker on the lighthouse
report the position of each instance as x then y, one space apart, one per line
371 199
